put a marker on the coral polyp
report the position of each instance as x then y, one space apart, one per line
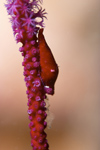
40 68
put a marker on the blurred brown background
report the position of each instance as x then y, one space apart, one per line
73 33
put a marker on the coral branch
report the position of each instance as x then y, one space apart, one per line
40 68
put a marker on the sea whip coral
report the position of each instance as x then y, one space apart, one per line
40 68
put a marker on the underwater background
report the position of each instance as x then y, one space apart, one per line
73 33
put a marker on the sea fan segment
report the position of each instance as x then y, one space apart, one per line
40 68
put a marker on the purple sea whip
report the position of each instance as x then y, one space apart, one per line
40 68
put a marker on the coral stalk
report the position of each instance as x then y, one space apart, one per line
40 68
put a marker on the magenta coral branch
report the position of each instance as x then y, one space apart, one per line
40 68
